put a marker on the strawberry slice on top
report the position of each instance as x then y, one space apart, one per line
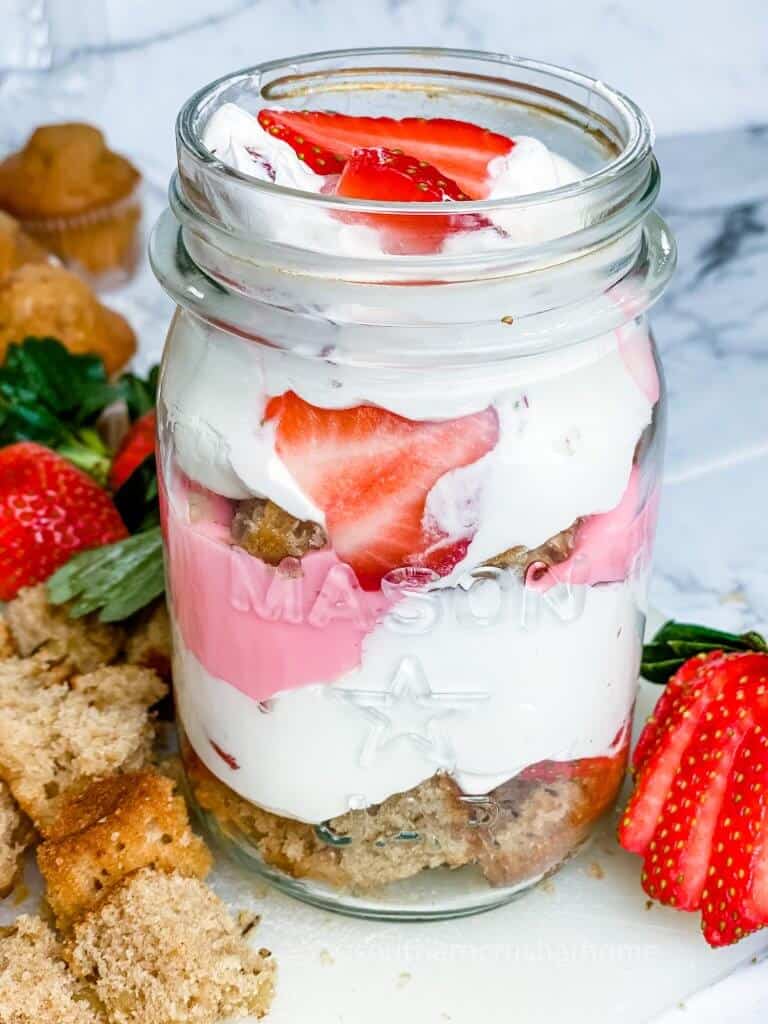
460 150
316 157
370 471
386 174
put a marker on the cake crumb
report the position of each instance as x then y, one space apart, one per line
58 730
247 921
326 959
648 904
547 886
35 985
403 979
108 830
85 642
162 949
15 836
595 870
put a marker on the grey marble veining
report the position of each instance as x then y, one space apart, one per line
712 330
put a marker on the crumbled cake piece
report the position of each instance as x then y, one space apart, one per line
552 552
35 622
57 730
540 824
8 648
110 829
15 836
162 949
149 641
524 830
36 986
268 532
425 827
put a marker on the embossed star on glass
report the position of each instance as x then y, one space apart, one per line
411 421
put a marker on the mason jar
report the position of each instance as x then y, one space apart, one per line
409 494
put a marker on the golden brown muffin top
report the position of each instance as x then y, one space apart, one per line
49 301
63 170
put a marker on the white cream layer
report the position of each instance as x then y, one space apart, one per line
435 689
237 139
569 420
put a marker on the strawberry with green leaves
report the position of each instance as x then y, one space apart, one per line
698 810
55 514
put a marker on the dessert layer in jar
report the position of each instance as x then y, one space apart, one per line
310 696
407 605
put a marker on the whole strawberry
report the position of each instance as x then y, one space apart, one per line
699 812
49 510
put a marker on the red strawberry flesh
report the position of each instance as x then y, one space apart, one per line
370 471
678 685
679 853
638 823
316 157
49 510
734 900
387 175
138 445
459 149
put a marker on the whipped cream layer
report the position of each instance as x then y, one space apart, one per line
569 425
479 691
236 138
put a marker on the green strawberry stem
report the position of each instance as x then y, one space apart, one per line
88 452
116 580
676 642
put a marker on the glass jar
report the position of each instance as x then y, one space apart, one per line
409 496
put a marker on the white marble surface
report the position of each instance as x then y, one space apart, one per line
694 67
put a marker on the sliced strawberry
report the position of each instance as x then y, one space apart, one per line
460 150
638 823
679 854
49 510
399 177
316 157
384 174
138 445
734 901
370 471
677 687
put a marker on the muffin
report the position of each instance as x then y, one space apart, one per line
76 197
48 301
17 248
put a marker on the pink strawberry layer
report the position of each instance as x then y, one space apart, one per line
263 629
608 545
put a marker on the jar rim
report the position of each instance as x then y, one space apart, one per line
635 150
